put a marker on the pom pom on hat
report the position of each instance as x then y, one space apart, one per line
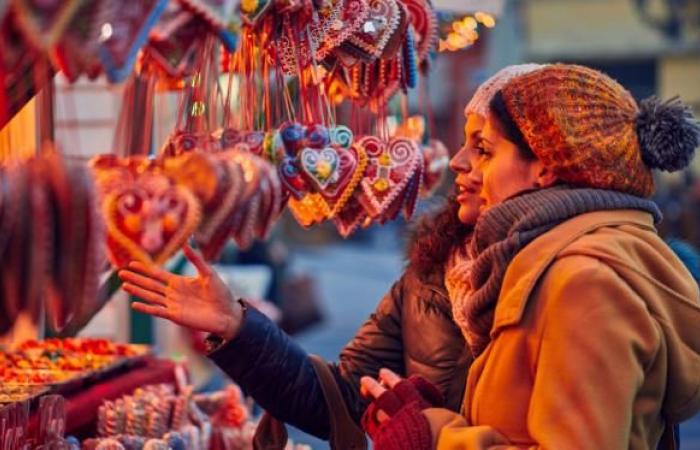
668 134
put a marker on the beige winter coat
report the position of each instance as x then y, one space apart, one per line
595 344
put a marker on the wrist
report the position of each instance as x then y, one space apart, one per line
231 323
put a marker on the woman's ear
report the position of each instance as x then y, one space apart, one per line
544 176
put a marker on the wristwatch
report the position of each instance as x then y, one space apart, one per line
213 342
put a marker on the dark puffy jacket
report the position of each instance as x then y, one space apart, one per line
411 332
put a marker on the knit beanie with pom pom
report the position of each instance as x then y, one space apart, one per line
590 131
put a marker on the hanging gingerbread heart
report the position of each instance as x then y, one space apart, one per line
390 168
292 135
149 220
316 136
269 213
27 259
227 137
413 191
350 217
76 52
291 178
425 24
341 136
251 141
437 159
273 148
215 230
377 31
320 166
215 184
77 241
348 173
181 142
124 31
353 14
42 22
174 44
216 14
246 215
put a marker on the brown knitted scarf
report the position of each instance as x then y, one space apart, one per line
505 229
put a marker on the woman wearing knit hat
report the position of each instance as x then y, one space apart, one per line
412 331
583 322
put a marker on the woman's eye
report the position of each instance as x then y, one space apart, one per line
481 151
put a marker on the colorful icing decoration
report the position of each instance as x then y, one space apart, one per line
389 170
149 220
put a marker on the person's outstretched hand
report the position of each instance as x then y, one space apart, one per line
203 302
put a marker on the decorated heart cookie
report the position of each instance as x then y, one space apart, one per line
129 25
351 167
436 160
377 31
352 14
389 169
320 166
341 136
149 220
425 24
349 219
215 230
291 178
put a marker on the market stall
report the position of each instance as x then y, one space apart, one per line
283 105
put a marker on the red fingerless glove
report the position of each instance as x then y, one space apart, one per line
407 427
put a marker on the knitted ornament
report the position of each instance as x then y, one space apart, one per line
588 130
668 133
479 104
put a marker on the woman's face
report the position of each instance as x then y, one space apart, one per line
503 170
468 182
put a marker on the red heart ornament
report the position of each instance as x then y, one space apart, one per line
212 236
129 25
436 160
378 33
389 169
351 168
349 219
353 14
425 24
149 220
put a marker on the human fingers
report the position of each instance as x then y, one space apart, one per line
152 310
197 260
142 281
151 270
143 294
389 378
372 387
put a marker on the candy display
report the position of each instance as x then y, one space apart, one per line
157 416
53 362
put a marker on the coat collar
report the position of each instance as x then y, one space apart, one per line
532 262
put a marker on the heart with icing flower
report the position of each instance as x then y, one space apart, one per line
390 168
148 220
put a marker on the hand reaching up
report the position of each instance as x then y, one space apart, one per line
203 302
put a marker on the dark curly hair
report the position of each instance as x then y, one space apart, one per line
434 236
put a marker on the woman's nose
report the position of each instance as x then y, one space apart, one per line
460 161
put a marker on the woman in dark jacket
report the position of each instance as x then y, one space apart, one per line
412 331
